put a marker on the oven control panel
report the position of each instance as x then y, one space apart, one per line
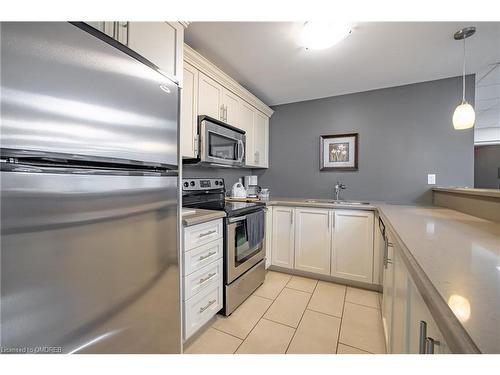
194 184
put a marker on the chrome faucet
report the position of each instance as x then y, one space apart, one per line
338 186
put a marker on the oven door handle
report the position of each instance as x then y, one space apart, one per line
236 219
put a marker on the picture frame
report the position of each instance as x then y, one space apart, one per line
338 152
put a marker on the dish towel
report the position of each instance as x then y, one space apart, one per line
255 228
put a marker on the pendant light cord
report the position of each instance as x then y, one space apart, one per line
463 78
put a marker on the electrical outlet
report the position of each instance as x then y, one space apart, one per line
431 179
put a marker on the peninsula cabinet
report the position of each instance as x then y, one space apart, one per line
352 252
159 42
283 237
336 243
313 240
408 323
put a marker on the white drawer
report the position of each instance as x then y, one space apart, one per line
201 308
201 256
203 279
201 234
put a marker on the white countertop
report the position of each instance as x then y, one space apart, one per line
460 254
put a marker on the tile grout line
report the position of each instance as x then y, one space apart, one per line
341 321
302 316
262 317
360 304
366 351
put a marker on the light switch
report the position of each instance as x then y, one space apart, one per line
431 179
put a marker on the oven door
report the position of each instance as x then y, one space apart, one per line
221 145
240 256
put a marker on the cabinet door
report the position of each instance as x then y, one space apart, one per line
209 97
159 43
107 27
388 295
283 237
352 252
313 240
261 139
231 112
399 331
246 124
189 112
269 235
417 313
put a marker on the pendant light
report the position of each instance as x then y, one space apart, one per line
464 115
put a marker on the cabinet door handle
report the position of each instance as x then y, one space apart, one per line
221 114
210 275
201 235
422 338
210 303
225 113
430 343
203 257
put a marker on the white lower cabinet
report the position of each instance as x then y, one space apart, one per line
283 237
408 322
388 293
324 241
313 240
269 235
202 270
352 251
201 308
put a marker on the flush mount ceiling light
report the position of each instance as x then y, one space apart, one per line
464 115
321 35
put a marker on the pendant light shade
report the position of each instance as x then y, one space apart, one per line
464 115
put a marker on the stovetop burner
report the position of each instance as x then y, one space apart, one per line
209 193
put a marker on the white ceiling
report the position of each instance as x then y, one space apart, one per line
267 59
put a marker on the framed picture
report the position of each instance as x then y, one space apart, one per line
338 152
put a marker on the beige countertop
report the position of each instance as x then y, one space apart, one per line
493 193
460 256
455 256
201 216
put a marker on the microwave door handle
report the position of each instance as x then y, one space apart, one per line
242 153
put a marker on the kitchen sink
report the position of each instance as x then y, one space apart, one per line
355 203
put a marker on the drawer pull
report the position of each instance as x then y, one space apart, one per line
210 303
203 257
210 275
207 233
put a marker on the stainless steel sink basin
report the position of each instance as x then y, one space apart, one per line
347 203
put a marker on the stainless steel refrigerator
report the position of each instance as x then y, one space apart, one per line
89 200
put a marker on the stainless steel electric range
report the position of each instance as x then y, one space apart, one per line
244 233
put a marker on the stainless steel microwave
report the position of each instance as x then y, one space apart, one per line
221 144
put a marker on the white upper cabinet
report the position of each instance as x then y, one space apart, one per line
159 42
261 140
221 97
189 112
246 124
352 251
313 240
210 97
283 237
231 108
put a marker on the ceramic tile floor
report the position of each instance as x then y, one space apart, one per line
297 315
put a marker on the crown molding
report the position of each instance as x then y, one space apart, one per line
194 58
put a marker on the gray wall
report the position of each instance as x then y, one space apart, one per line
405 132
487 167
